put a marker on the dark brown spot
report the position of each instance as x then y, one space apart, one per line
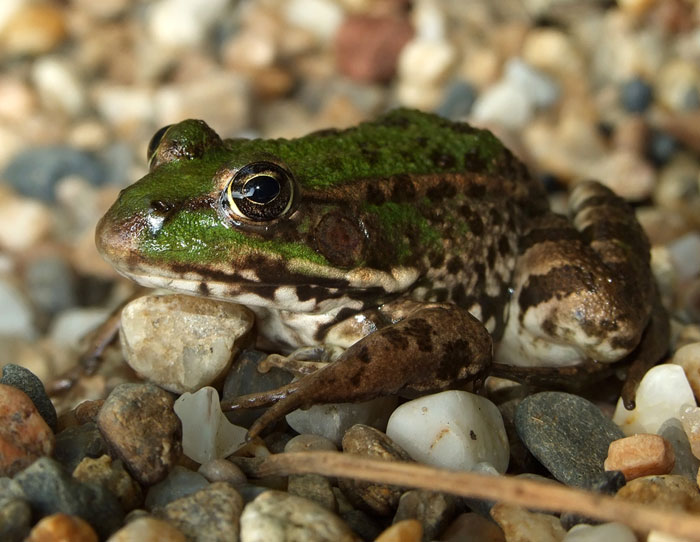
443 160
491 256
472 434
503 246
441 191
543 235
203 289
455 265
476 190
474 162
558 283
374 195
476 225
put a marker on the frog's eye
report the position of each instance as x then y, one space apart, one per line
155 141
260 191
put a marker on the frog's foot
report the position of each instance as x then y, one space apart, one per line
302 361
433 349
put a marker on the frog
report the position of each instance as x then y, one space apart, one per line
418 251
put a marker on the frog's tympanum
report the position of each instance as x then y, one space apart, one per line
418 247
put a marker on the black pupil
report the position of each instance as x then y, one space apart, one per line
263 189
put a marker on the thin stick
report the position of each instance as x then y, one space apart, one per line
517 491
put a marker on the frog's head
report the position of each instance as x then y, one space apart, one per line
293 224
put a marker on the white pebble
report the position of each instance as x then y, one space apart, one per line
23 222
539 87
429 20
688 357
594 533
333 420
16 318
661 393
426 62
58 85
319 17
206 432
452 429
69 327
504 104
685 254
181 342
181 23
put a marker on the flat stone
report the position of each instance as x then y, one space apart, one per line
182 342
640 455
113 476
51 490
59 527
138 423
211 514
147 529
569 435
24 435
23 379
520 524
276 516
434 511
377 498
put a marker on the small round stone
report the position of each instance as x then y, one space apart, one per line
432 510
147 529
408 530
636 95
77 442
23 379
15 518
222 470
520 524
60 527
595 533
24 435
112 475
179 483
669 492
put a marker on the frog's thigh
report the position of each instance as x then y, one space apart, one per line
581 290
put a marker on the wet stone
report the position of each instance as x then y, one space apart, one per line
276 516
24 435
138 423
210 515
75 443
50 490
29 383
569 435
113 476
380 499
60 527
433 510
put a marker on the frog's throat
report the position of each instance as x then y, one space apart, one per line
359 286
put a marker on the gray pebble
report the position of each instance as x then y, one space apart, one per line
35 171
568 435
15 520
50 490
50 284
180 482
23 379
74 444
435 511
686 463
458 100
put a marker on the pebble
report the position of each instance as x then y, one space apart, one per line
62 528
661 393
688 357
181 342
276 516
314 487
326 20
636 95
333 420
541 89
147 529
367 527
376 498
616 532
408 530
569 435
24 435
690 419
206 432
211 514
50 490
244 378
685 254
520 524
58 85
23 379
36 171
676 83
668 492
179 24
686 463
473 527
433 511
16 317
75 443
112 475
70 327
138 423
50 284
179 483
368 47
457 101
503 104
640 455
34 29
452 429
221 470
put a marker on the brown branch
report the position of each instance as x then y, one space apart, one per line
517 491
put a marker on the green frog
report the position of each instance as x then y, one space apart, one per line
417 249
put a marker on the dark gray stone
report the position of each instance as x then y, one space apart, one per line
244 378
435 511
569 435
636 95
50 284
15 520
458 100
686 463
49 490
34 172
74 444
23 379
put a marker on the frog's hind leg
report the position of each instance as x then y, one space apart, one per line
583 290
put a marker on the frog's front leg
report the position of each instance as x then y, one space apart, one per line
434 348
585 292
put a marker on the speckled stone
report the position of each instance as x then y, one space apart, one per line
520 524
686 463
222 470
112 475
50 490
669 492
24 435
62 527
434 511
209 515
408 530
25 380
138 423
15 519
569 435
147 529
314 487
380 499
